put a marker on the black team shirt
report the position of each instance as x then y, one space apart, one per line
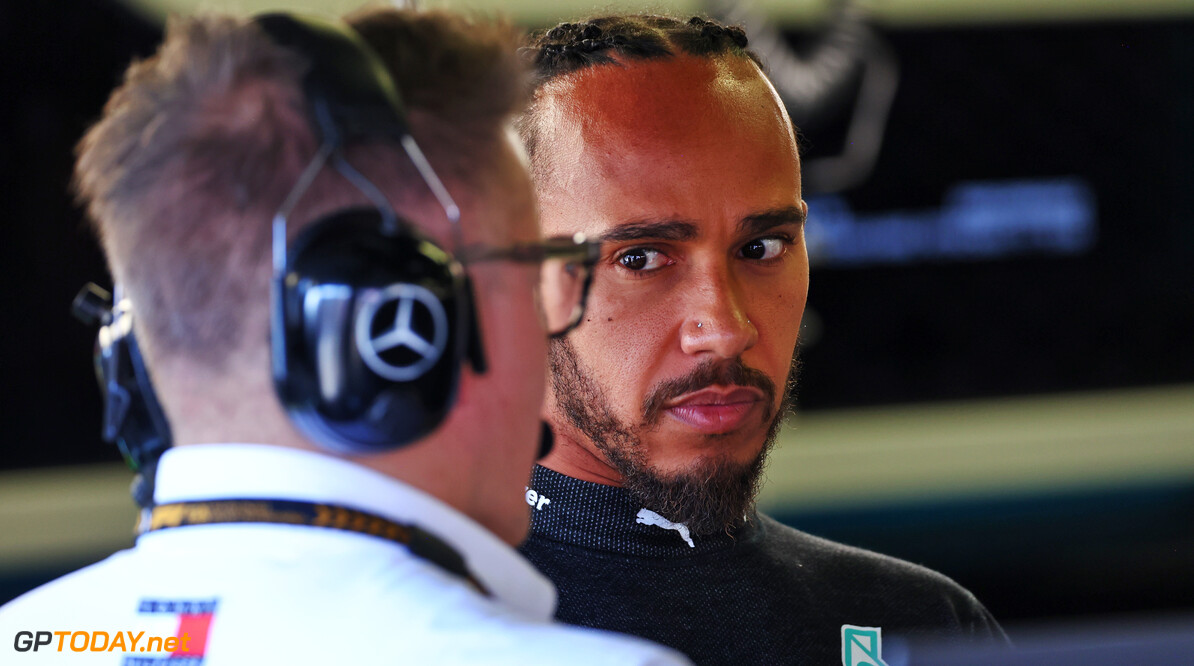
766 594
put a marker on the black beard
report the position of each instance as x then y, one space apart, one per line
712 494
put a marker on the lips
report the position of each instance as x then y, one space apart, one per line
715 410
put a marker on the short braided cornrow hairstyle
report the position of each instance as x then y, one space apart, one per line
603 40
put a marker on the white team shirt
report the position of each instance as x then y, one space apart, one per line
291 594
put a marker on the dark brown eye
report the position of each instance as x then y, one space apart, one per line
635 260
754 250
642 259
762 249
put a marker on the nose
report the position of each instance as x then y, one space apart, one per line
717 322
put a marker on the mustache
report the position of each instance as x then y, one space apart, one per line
730 372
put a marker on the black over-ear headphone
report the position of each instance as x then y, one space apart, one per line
371 320
132 417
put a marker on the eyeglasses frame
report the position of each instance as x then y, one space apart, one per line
576 247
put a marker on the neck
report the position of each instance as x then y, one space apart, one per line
580 459
458 469
606 518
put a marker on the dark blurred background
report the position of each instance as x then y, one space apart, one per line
1027 230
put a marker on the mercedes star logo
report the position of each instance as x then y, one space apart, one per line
389 349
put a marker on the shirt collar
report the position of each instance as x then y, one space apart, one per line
219 471
608 518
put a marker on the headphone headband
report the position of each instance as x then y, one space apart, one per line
350 94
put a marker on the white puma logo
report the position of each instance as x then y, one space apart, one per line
648 517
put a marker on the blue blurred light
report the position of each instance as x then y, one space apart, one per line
978 221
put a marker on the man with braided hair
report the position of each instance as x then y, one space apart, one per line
664 139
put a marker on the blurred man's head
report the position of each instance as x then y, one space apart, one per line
196 152
665 139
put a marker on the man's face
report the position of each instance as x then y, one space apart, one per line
688 168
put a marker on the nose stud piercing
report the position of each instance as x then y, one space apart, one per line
698 324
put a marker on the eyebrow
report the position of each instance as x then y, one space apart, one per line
776 217
685 230
673 230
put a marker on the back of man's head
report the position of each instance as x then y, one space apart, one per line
198 147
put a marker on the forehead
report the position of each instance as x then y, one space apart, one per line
686 136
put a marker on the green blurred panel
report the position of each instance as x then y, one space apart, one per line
56 516
1025 446
929 12
785 12
875 457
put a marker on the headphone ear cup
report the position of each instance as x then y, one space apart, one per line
133 418
370 323
370 333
